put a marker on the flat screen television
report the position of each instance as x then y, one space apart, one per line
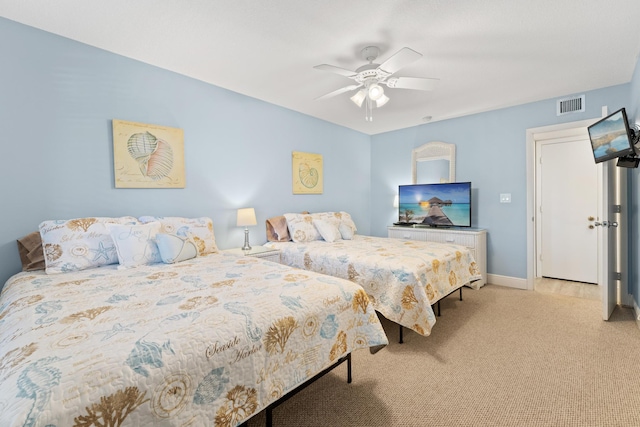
611 137
435 205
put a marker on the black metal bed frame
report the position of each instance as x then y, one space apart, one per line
269 409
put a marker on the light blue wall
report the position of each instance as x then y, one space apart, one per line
57 100
633 115
491 153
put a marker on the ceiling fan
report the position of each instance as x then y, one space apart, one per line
372 76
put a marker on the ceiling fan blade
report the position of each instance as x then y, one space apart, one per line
401 58
337 70
412 83
338 92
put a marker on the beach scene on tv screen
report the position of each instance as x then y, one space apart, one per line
435 205
609 136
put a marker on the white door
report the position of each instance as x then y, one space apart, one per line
611 194
568 208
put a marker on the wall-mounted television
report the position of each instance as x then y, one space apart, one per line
435 205
611 137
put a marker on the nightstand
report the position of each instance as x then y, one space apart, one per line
268 254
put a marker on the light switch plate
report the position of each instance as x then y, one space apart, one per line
505 197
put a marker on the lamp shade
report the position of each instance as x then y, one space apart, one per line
358 98
246 216
382 100
396 201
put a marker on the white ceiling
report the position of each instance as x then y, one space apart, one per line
487 54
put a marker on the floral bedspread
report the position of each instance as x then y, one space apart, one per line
403 278
209 341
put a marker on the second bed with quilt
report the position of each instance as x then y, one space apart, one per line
402 278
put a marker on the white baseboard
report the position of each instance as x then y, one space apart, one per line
511 282
637 310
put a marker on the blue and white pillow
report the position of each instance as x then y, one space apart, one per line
175 248
200 229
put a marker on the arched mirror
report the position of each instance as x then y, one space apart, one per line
434 162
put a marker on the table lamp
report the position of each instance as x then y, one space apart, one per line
246 217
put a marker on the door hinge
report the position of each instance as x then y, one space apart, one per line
540 160
616 208
617 276
540 257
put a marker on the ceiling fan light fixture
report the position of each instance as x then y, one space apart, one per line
375 91
382 100
359 97
372 76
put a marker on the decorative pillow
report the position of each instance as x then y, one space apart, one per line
277 230
347 226
175 248
301 228
345 231
79 244
136 243
328 229
30 250
201 230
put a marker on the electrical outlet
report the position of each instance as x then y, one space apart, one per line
505 197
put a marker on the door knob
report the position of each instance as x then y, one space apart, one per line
591 218
606 224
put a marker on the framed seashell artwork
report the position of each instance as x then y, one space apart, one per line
147 156
306 173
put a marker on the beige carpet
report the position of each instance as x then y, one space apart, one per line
501 357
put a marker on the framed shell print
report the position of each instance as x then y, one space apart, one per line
306 173
147 156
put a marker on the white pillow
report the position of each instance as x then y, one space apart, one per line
347 226
175 248
79 244
136 244
345 231
201 230
328 229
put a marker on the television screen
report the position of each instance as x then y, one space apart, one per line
435 205
611 137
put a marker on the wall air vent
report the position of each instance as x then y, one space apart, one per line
575 104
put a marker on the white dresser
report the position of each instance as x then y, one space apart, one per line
473 238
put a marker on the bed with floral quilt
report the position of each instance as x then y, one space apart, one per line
209 340
403 279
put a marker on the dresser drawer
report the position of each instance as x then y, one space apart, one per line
407 235
461 239
274 257
263 252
